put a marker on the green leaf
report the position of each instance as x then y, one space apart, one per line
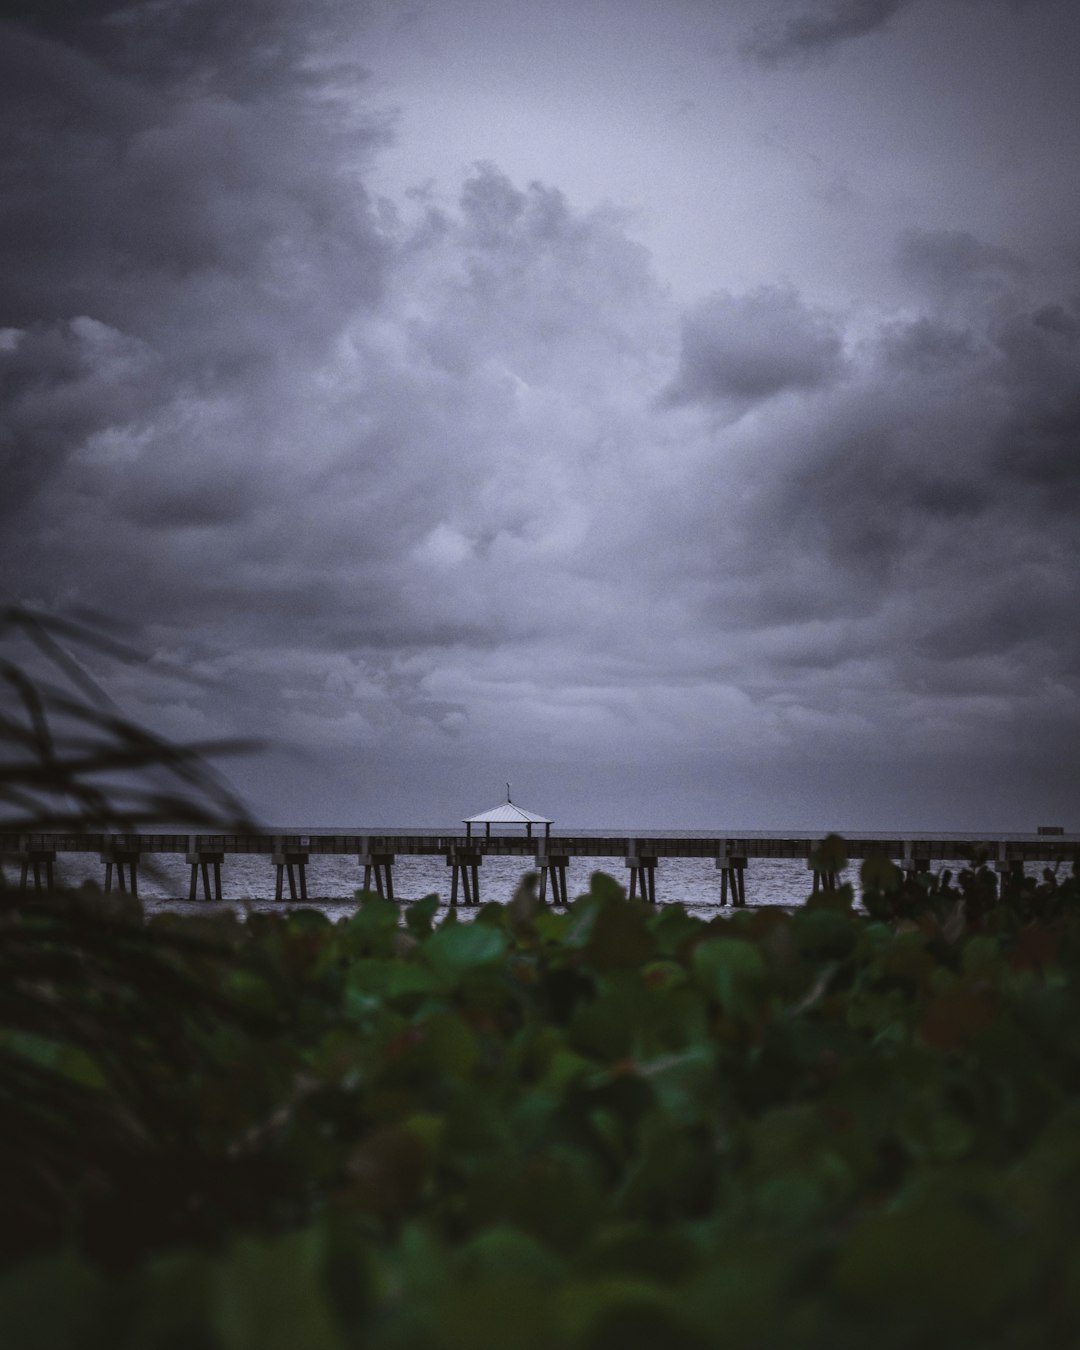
373 927
272 1296
936 1260
879 873
830 855
419 917
462 947
733 971
508 1252
620 937
605 888
48 1304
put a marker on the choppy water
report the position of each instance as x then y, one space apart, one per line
333 881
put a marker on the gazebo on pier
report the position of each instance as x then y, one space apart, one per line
506 813
465 858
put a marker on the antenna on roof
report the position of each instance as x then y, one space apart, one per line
508 792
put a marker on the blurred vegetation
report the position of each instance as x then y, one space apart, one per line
614 1126
611 1127
70 760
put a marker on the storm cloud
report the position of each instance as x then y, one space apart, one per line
751 347
815 30
823 25
449 487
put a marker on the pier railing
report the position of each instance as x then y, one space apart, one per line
34 854
1027 847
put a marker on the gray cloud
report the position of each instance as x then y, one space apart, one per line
823 25
164 239
943 503
442 486
947 261
755 346
818 29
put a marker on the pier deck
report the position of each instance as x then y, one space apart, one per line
290 853
1027 847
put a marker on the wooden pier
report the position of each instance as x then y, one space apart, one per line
34 855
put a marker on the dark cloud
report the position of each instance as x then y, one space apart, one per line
164 239
241 49
927 346
1039 440
752 347
60 382
936 501
441 485
948 261
823 25
821 28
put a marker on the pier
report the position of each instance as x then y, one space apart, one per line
290 855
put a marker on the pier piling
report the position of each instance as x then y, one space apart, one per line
121 853
290 863
553 865
378 865
42 865
642 876
201 856
465 864
1007 867
731 862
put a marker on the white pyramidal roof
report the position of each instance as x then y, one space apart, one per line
506 814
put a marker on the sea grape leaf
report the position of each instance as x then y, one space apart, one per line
49 1303
370 982
841 899
674 929
462 947
745 1294
672 1175
505 1251
733 971
980 956
606 888
879 873
795 1200
493 1310
270 1295
551 1192
70 1061
387 1170
452 1046
830 855
563 1069
681 1081
639 1248
620 937
572 928
419 917
306 921
829 932
372 928
936 1259
955 1018
174 1303
625 1314
608 1024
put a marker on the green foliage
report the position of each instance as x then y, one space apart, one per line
615 1126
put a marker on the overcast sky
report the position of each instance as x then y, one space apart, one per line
670 406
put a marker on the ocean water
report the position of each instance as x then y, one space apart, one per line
249 881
